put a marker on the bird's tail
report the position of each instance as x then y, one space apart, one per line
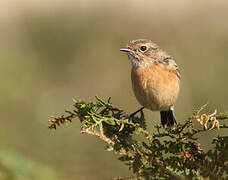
168 118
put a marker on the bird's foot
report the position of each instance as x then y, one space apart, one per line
134 113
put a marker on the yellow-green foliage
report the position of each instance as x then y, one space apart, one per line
166 154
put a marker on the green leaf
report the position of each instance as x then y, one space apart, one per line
197 111
110 121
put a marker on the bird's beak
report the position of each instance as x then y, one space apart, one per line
125 49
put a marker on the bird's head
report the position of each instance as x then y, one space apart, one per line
143 52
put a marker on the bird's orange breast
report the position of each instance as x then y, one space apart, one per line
156 87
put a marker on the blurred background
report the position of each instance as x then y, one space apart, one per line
54 51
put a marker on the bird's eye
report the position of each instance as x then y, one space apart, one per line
143 48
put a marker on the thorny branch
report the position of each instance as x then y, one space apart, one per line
169 154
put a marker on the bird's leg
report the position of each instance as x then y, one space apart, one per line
133 114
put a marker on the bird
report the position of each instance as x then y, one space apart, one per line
155 78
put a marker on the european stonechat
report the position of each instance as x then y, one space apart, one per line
155 78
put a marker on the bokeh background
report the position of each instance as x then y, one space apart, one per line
54 51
